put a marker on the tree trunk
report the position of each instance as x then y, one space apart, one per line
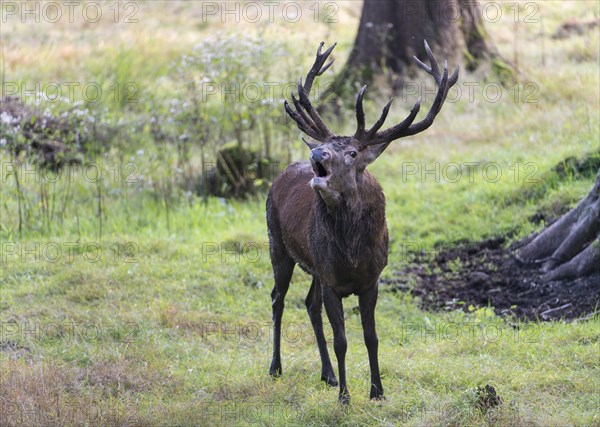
570 247
392 31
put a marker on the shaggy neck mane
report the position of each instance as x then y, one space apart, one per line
352 226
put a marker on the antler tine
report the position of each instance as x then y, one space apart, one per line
406 127
304 90
305 103
433 111
361 134
307 120
360 114
434 65
305 116
309 144
318 68
302 125
380 121
402 125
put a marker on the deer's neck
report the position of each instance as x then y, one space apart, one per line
354 226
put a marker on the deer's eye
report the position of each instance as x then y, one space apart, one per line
353 154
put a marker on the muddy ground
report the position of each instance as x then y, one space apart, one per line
487 274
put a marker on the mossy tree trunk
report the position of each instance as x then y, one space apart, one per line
570 247
392 31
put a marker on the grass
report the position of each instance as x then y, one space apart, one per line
159 313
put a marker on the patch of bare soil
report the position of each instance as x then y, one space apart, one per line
487 274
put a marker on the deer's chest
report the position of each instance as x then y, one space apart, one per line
348 265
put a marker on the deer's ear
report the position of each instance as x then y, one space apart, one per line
374 151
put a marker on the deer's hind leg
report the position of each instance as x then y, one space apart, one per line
367 303
283 267
314 304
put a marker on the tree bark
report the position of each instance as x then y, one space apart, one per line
570 247
392 31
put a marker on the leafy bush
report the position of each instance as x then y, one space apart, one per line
225 96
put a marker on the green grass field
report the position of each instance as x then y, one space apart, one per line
156 311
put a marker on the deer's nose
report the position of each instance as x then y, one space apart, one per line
319 155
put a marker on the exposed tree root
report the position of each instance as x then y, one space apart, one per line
584 264
570 247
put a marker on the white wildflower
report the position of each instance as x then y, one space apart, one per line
6 118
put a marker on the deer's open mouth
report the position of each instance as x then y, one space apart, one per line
320 170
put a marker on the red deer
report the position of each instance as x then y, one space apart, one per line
328 216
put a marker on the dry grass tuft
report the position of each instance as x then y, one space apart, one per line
37 393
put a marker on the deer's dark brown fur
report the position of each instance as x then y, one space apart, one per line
328 216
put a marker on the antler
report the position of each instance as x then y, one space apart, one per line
305 116
406 127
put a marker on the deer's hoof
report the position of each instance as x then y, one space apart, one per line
275 371
376 394
344 399
329 380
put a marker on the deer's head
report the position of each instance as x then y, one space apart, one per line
340 161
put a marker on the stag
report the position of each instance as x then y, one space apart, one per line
328 216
